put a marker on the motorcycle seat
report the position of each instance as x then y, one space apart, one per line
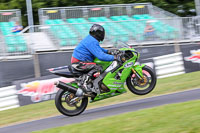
66 71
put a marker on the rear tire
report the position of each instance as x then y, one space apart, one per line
62 109
132 87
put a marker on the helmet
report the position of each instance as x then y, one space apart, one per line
97 31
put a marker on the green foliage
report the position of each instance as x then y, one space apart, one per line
169 5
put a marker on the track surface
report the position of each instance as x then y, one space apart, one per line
103 112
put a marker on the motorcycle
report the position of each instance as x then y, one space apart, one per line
72 99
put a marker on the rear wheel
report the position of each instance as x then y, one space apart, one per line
70 105
144 86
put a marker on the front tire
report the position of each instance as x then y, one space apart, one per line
62 100
141 88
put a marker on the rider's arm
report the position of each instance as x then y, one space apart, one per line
104 50
97 51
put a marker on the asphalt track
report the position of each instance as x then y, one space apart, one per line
103 112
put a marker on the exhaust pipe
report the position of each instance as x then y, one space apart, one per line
78 92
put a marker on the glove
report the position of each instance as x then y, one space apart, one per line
117 57
120 58
109 52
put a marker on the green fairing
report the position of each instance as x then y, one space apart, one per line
116 86
74 84
104 64
138 69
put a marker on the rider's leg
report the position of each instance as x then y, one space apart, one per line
92 74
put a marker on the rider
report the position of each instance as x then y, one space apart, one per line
89 48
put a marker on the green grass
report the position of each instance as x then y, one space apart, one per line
47 109
174 118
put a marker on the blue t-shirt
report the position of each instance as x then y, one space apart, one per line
17 29
89 48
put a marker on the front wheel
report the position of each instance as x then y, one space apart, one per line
142 87
68 104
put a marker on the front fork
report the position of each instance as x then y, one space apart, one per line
137 70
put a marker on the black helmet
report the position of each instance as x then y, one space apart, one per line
97 31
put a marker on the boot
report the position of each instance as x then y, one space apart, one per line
85 82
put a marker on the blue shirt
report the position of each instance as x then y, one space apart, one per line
89 48
17 29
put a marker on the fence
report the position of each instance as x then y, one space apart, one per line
132 31
160 13
63 28
13 45
54 36
101 10
10 15
191 27
8 98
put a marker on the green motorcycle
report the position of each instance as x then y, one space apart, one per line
71 99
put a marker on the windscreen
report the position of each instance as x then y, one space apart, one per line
121 44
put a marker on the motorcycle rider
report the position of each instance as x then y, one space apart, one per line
87 50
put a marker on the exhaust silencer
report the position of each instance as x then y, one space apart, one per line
78 92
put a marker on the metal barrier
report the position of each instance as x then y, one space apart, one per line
10 15
96 11
25 43
191 27
129 31
160 13
13 45
8 98
68 35
169 65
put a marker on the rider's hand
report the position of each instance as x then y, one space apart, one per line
109 52
120 58
117 57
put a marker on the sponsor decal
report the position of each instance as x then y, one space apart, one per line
6 13
95 9
52 11
117 83
195 56
114 85
41 90
128 64
139 6
112 94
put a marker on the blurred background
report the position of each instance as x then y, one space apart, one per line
184 8
165 32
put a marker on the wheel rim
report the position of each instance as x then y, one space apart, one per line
68 105
143 84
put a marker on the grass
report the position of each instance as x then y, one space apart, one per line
47 109
173 118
